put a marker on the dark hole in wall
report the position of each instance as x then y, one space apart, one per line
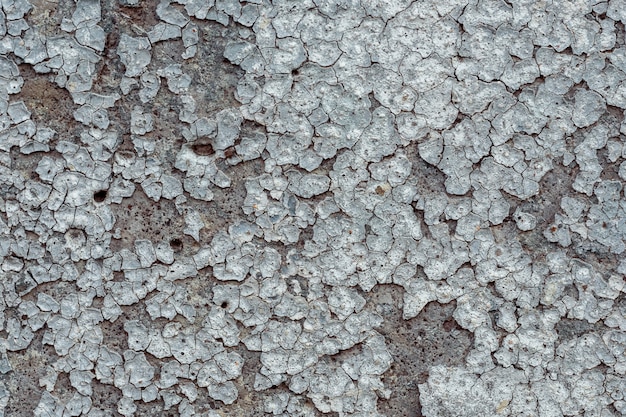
176 244
203 149
100 196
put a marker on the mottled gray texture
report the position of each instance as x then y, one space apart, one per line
344 208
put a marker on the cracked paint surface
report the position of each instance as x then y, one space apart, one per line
315 207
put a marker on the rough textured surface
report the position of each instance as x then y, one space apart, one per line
306 208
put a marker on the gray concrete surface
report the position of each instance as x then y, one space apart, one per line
312 207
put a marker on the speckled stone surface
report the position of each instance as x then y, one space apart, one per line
314 207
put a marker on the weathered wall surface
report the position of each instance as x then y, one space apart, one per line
313 207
